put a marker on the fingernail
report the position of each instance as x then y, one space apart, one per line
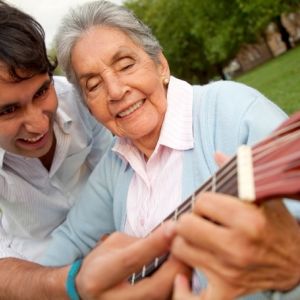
180 280
169 229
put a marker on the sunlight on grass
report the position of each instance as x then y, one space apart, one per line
279 80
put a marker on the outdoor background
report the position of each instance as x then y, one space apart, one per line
256 42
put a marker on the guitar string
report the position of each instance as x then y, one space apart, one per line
275 134
262 172
276 137
267 149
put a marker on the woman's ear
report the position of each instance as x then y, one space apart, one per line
163 66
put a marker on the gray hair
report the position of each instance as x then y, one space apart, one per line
100 13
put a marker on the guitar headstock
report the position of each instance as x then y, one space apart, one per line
276 162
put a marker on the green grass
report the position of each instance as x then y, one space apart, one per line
278 79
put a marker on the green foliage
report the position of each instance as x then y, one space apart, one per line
199 37
52 55
279 80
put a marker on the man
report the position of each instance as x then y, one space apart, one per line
49 145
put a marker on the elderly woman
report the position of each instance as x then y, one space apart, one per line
166 134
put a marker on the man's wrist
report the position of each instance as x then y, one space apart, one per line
70 282
26 280
55 287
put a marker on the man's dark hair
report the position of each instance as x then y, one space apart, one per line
22 44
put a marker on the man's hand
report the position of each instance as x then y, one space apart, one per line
105 270
242 248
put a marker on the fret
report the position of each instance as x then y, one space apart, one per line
175 215
156 262
149 269
132 280
246 189
144 271
193 200
213 183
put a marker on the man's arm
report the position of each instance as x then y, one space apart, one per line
20 279
103 274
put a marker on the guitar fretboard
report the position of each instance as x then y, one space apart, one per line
223 181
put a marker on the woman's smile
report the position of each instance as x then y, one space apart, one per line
131 109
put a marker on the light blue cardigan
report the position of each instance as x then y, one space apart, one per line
225 115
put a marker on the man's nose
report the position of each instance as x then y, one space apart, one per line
35 120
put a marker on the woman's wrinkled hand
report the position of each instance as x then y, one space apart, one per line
241 248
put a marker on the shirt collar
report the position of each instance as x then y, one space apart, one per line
177 128
63 120
2 153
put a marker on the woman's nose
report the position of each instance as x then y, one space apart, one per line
116 89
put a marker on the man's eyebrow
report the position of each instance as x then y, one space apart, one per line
5 106
45 84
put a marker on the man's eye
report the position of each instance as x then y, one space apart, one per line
42 92
8 110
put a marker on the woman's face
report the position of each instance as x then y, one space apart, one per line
123 87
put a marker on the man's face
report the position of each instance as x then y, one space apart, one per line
27 110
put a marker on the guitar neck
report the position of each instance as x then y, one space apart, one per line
223 181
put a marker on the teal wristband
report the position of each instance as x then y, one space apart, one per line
70 284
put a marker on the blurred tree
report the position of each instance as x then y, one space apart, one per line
52 55
200 37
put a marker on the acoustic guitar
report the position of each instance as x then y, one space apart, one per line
270 169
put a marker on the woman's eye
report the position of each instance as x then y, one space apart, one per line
92 84
92 88
125 64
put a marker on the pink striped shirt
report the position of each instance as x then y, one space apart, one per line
155 188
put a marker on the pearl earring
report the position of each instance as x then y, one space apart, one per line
165 81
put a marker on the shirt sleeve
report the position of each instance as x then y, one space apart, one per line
102 139
5 245
90 218
293 294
